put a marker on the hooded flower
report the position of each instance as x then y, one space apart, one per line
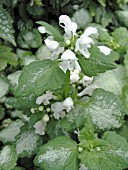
40 127
105 50
84 42
58 110
86 80
43 30
69 26
51 43
68 104
45 98
74 76
68 61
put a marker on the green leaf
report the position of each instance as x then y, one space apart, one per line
104 35
123 17
120 36
103 16
39 76
3 86
26 102
112 155
27 143
74 119
6 56
112 80
87 133
82 18
3 64
60 152
2 112
9 134
6 27
125 98
53 31
13 80
8 158
126 63
97 63
54 129
102 2
43 53
105 109
123 131
29 39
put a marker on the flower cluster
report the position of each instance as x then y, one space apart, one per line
58 109
75 43
68 61
67 57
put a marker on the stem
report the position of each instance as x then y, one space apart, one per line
67 84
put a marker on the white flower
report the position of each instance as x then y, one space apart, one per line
58 110
105 50
86 80
68 104
59 107
83 167
45 98
56 53
88 90
51 43
68 55
40 127
74 76
69 26
69 61
89 31
83 43
43 30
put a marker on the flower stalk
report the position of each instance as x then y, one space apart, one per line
67 84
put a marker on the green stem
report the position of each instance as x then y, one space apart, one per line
67 84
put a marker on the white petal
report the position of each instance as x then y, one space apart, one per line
69 26
68 55
105 50
42 29
82 47
73 27
90 30
51 44
39 100
57 109
87 80
85 40
64 21
40 127
56 53
74 77
45 98
67 64
83 167
68 104
77 66
85 53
